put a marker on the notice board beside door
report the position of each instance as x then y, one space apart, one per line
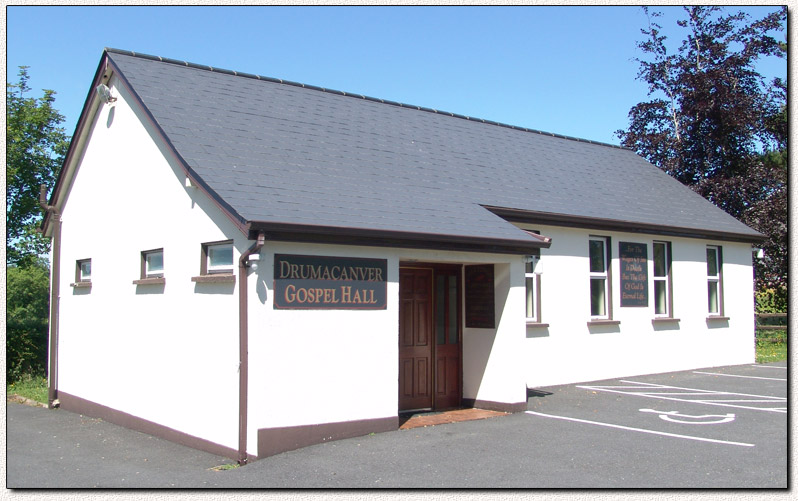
480 310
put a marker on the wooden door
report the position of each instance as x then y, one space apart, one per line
415 339
447 314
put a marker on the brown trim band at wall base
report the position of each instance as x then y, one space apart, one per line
273 441
494 406
79 405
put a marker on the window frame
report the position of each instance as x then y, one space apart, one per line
210 275
145 271
79 276
205 266
716 279
530 263
605 275
667 278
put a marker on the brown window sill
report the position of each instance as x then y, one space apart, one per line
664 320
222 278
81 285
593 323
716 317
536 324
150 281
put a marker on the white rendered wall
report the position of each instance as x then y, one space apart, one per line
168 353
328 366
493 358
569 351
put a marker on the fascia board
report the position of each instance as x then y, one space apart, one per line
76 146
383 238
564 220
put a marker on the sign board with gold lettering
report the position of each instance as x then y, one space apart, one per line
329 283
634 273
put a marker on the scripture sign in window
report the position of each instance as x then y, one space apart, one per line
329 283
634 273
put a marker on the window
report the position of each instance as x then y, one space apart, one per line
220 258
217 258
663 300
151 267
532 289
599 278
216 265
83 271
447 316
152 264
714 280
82 274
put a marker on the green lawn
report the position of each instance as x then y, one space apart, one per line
771 346
770 352
32 387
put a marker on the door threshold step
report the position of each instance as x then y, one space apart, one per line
423 419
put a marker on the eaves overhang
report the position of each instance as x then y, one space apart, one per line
400 239
595 223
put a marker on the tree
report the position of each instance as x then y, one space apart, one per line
715 124
35 149
26 321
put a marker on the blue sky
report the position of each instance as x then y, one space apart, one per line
566 70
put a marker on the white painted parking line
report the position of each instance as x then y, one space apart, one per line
664 392
735 375
641 430
769 366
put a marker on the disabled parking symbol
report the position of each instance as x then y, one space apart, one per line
676 417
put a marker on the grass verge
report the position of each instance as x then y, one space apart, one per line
30 387
771 346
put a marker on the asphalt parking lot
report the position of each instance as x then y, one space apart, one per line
709 428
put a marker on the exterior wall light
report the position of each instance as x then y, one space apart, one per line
105 93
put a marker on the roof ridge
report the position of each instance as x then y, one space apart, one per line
354 95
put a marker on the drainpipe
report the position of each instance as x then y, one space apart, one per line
243 346
55 287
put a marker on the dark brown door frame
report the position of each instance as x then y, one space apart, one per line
437 267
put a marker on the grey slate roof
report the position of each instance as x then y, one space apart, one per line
283 153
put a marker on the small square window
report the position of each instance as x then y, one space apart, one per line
152 264
83 271
217 258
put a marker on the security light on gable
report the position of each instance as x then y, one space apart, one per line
104 92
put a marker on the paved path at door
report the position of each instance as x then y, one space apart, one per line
719 428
